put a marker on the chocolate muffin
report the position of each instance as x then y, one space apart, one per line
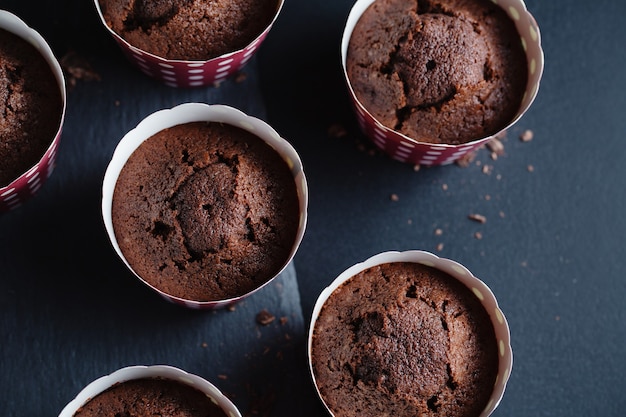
438 71
189 29
404 339
205 211
31 106
148 397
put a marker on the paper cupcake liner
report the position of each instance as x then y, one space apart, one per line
27 184
195 112
189 73
454 269
154 371
406 149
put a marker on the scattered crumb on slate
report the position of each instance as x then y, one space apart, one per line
466 159
477 218
394 197
527 135
77 68
264 317
241 77
337 131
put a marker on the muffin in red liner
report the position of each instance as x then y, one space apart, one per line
33 94
205 204
197 66
409 333
163 384
453 112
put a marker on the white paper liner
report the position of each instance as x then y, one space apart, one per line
196 112
454 269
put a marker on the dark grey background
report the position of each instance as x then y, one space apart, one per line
552 249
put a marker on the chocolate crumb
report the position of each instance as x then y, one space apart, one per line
241 77
204 344
466 159
264 317
394 197
77 68
477 218
222 376
527 135
530 168
231 307
416 167
283 320
496 147
440 247
337 131
478 235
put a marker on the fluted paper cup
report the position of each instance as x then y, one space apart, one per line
189 73
166 372
28 183
406 149
454 270
199 112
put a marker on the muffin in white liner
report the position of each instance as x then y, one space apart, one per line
407 149
146 372
199 112
28 183
187 73
453 269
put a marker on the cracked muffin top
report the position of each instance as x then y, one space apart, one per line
438 71
194 30
142 397
205 211
404 339
30 106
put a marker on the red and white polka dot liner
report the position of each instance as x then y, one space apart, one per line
200 112
27 184
460 273
181 73
406 149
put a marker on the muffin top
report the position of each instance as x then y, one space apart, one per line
148 397
30 106
404 339
194 30
205 211
439 71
